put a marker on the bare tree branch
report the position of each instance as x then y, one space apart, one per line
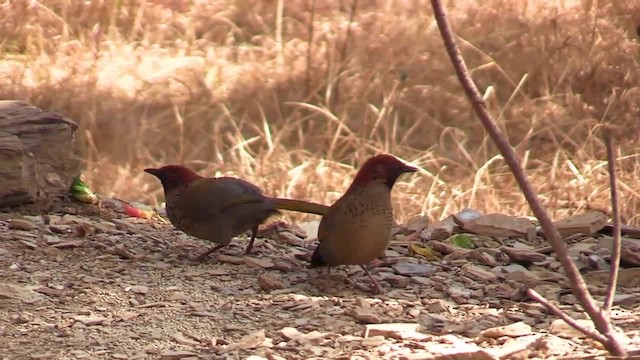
617 241
601 322
557 312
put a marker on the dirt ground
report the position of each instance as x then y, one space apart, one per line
103 286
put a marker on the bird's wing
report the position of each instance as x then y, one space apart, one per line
214 196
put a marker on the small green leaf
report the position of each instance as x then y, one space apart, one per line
461 240
81 191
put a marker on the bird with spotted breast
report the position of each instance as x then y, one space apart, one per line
217 209
357 227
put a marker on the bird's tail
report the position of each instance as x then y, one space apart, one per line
300 206
316 259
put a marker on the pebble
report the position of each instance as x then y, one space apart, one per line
21 224
409 269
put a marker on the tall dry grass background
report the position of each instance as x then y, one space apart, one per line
293 95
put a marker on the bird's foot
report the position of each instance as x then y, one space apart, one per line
355 284
376 289
204 255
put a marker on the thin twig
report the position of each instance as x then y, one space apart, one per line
557 312
579 287
617 241
343 52
309 43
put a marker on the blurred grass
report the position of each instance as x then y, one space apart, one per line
236 87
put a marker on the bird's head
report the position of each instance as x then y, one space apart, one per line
383 169
173 176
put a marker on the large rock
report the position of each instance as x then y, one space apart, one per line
37 159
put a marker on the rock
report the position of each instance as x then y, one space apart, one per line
626 299
139 289
483 256
512 330
439 231
444 248
21 224
37 160
409 269
365 315
373 341
498 225
250 341
180 338
263 263
423 281
627 278
553 345
523 256
231 259
439 306
310 228
398 281
587 224
466 215
418 223
401 331
562 329
176 354
509 268
269 282
478 273
90 320
313 337
43 356
283 266
68 244
13 291
630 252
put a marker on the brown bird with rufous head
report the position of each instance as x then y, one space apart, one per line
357 227
217 209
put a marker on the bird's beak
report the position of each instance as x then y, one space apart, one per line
152 171
408 169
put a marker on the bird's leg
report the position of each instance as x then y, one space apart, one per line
254 233
209 252
375 286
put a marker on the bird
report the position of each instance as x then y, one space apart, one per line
357 227
217 209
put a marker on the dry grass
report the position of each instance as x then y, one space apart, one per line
223 87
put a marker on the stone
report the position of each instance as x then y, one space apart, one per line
37 159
